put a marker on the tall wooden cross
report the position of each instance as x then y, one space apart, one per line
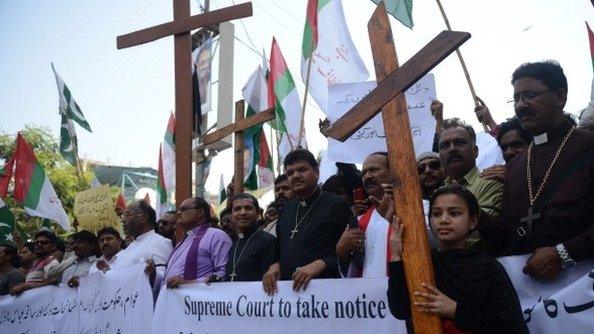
241 123
389 98
180 27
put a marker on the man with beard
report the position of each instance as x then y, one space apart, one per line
458 152
282 190
110 243
431 173
548 197
308 228
252 254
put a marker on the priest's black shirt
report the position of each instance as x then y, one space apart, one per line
477 282
256 259
566 205
317 234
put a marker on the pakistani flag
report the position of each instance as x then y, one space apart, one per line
68 142
328 52
68 106
401 10
283 95
256 95
6 222
33 189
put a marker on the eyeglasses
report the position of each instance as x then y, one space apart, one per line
185 208
527 96
128 214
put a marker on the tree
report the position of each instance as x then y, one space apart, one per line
62 175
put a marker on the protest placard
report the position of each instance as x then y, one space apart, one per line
94 209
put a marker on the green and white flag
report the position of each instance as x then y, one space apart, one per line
6 222
401 10
68 106
68 142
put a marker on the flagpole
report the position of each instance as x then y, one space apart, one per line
464 68
272 149
301 127
278 162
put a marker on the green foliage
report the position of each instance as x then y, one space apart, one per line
63 176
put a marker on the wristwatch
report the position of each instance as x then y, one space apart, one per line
566 261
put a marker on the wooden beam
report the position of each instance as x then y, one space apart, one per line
396 82
183 107
238 147
407 190
184 25
239 125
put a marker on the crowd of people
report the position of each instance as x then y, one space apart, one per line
540 203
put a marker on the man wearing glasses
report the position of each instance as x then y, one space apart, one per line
148 246
548 197
45 245
202 255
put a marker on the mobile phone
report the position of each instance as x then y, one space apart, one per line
359 194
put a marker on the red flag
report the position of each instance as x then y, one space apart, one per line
121 202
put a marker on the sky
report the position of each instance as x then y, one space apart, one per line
127 95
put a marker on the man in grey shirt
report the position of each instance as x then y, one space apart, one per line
86 248
10 276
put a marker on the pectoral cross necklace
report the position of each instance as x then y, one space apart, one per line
297 223
236 259
531 216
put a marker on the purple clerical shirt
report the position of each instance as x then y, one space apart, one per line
212 255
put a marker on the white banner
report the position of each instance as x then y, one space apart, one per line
327 306
119 301
563 305
47 310
370 137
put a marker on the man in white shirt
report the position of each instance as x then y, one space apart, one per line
148 246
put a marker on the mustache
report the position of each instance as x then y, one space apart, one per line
369 183
452 156
524 111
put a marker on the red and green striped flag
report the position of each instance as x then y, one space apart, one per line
591 39
283 95
327 51
256 95
33 188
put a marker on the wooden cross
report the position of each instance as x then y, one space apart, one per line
241 123
180 27
530 217
389 98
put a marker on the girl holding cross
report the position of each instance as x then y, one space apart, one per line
473 293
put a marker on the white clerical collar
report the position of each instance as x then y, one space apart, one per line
541 139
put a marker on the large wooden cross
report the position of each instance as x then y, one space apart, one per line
241 123
180 27
389 98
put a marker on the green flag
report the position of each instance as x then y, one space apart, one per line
68 142
7 223
401 10
68 106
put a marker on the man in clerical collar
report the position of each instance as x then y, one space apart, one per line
147 246
110 243
549 188
458 153
252 254
283 190
202 255
85 247
308 228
